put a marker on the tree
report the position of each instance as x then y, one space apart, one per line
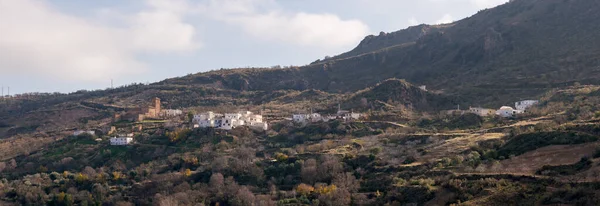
264 200
42 169
337 197
168 201
281 157
12 164
116 175
80 178
89 171
326 189
346 181
308 172
243 197
190 116
364 102
330 166
217 184
304 189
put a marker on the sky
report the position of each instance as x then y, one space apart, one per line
66 45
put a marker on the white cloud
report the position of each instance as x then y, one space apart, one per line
447 18
483 4
162 28
263 19
413 21
39 40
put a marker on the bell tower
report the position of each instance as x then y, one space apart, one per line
157 105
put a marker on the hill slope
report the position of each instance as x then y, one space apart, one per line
514 51
398 93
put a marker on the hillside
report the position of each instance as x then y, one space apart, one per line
399 94
514 51
402 149
384 40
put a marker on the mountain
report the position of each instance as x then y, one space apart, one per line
397 93
402 151
384 40
514 51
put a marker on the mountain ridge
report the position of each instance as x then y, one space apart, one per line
524 44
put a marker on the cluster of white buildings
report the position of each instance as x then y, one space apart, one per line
170 112
316 117
504 111
122 140
229 121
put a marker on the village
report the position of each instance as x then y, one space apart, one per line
231 120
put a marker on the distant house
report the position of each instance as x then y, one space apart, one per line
352 116
348 115
507 111
121 140
482 111
230 121
300 118
80 132
523 105
171 112
305 118
423 87
315 117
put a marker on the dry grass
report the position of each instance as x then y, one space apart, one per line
15 146
455 146
591 175
528 163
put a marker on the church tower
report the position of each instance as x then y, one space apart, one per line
157 105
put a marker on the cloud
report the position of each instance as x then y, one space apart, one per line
265 20
162 28
447 18
39 40
413 21
483 4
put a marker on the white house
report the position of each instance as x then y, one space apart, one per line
229 121
345 115
423 87
233 116
507 111
121 140
205 116
523 105
79 132
315 117
352 116
482 111
259 125
171 112
305 118
207 123
300 118
207 119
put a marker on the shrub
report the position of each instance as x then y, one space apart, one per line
583 164
409 160
597 153
304 189
531 141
